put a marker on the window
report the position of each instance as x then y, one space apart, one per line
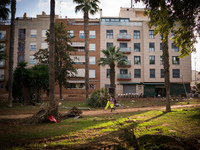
152 73
92 60
20 58
161 60
175 60
81 49
2 63
78 59
44 33
2 47
2 35
161 73
161 36
124 20
123 71
108 73
109 34
1 74
137 73
152 47
92 47
92 86
137 60
176 73
33 33
33 46
109 44
136 34
81 34
76 86
123 45
70 33
174 48
22 33
32 60
91 73
136 47
151 34
151 60
92 34
44 45
160 46
21 46
123 32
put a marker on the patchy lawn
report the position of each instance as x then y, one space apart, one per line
95 131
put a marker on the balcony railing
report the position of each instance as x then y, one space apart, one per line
126 50
77 44
128 64
123 37
124 77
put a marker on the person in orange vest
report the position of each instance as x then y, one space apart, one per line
111 103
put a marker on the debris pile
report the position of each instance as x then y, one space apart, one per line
74 112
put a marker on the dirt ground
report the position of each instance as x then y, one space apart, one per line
107 112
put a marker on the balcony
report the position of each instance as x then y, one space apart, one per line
123 37
77 44
127 65
123 77
125 50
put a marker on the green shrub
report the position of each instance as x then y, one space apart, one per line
98 98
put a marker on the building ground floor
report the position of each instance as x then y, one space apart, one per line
142 89
149 89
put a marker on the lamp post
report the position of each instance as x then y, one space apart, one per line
185 89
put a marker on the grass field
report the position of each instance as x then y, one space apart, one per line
97 131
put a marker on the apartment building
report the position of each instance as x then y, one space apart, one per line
30 35
195 77
144 73
4 64
76 88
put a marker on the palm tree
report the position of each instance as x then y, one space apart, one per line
4 12
112 56
53 107
86 6
11 51
160 18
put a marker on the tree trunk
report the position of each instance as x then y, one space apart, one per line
112 79
26 94
38 97
166 73
86 53
53 104
11 51
60 86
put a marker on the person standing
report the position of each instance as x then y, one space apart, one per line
110 103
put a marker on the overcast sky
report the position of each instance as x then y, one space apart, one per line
66 8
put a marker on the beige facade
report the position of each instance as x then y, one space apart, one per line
30 37
195 77
132 20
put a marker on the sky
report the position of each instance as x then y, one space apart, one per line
66 8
